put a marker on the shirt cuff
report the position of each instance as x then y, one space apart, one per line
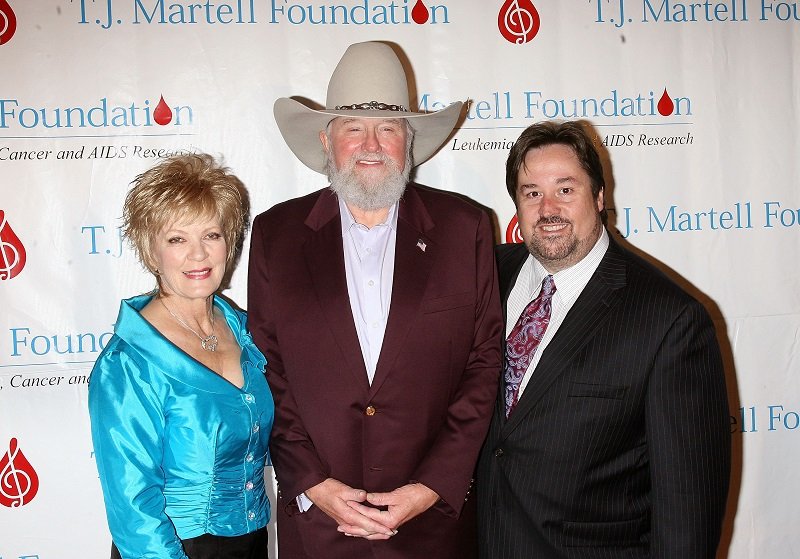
303 502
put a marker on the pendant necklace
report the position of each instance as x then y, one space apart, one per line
208 343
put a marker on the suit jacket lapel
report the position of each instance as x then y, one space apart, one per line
412 266
509 264
510 259
588 312
325 260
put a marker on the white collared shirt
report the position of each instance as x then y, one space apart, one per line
569 285
369 266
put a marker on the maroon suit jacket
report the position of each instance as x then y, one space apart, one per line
427 411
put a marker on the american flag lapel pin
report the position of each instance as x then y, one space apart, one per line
421 245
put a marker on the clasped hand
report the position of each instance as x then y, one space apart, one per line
346 505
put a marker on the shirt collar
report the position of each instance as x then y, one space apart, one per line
158 351
571 281
348 221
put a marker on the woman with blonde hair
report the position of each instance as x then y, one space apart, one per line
179 406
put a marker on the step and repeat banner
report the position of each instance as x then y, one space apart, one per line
695 106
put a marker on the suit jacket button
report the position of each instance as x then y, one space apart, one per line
370 411
498 452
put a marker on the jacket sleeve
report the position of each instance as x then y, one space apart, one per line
127 433
450 464
297 464
688 435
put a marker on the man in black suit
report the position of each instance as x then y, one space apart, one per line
610 434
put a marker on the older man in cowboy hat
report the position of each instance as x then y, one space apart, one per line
376 303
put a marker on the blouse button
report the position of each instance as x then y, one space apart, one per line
251 515
248 485
256 428
249 398
249 457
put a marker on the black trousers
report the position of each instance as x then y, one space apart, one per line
248 546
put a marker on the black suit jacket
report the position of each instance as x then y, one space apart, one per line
619 446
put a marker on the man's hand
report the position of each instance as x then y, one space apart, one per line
336 499
403 504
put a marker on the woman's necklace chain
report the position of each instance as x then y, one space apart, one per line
208 343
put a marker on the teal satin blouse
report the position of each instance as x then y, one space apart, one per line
180 450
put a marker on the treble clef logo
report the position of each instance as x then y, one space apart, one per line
8 22
518 21
18 480
12 253
513 234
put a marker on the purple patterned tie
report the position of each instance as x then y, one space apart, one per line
523 340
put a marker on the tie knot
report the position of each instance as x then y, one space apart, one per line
548 286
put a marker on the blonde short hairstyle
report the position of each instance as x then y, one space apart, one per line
184 188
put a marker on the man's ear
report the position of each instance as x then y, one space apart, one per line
323 138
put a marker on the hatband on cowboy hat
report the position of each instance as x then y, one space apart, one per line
370 82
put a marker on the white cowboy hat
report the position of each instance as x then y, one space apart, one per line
369 81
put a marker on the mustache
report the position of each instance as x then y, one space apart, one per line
368 156
552 220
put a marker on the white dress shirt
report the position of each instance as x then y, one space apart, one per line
369 266
569 285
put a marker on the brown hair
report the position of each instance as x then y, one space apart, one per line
541 134
184 187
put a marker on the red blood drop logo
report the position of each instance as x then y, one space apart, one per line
8 22
419 13
665 104
163 114
512 231
518 21
12 253
19 482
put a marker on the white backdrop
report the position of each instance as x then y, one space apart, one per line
704 178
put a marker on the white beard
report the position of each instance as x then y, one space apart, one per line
364 191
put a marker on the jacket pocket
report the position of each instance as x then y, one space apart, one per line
448 302
587 390
606 534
